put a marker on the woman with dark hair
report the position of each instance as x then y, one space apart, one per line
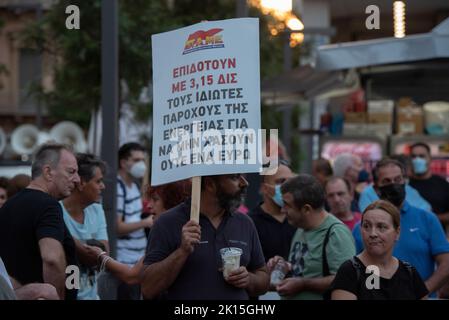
161 199
84 217
375 274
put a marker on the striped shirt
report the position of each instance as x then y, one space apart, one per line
131 247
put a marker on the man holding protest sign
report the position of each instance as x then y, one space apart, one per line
207 110
183 255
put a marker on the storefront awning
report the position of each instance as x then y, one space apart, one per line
304 83
427 46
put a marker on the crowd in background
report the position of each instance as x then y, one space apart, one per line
345 231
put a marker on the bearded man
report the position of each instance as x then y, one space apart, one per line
183 258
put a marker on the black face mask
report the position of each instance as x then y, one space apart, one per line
394 193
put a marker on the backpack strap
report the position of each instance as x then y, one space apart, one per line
358 267
409 268
326 240
123 188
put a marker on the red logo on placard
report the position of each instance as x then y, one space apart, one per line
201 40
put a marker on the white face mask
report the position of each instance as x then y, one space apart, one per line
138 170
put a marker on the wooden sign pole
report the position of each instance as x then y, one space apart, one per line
146 177
196 198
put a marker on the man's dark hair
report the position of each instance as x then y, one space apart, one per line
420 144
87 163
47 154
333 179
324 166
404 159
125 150
4 183
387 162
281 162
305 189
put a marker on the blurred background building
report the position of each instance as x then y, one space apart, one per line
317 108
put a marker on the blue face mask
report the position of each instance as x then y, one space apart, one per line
277 198
419 165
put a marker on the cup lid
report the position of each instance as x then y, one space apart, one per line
230 251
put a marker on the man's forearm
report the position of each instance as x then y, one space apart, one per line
160 275
54 274
27 293
438 278
319 285
259 282
441 274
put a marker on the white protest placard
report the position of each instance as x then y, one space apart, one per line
206 101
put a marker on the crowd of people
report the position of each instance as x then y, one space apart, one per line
340 232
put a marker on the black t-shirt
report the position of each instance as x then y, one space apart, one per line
200 277
435 190
26 218
406 284
275 237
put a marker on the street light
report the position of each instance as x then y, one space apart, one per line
399 19
296 38
288 25
281 11
281 6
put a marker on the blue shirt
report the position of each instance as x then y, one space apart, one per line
94 227
421 239
412 196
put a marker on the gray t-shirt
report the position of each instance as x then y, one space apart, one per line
4 273
200 278
6 288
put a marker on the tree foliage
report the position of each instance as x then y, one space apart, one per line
77 75
77 85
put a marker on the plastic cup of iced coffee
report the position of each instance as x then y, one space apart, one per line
231 259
